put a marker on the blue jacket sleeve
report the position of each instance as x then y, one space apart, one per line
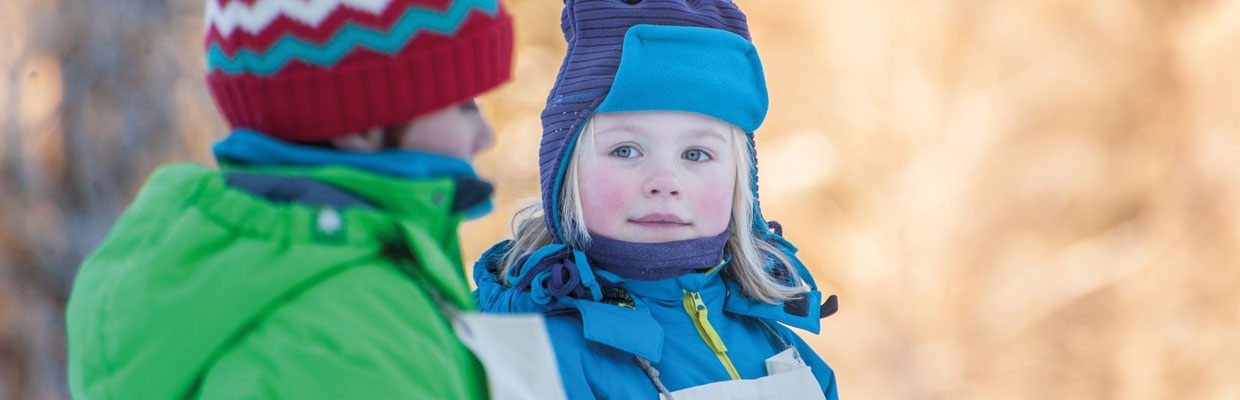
822 372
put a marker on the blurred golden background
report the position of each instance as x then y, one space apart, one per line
1036 199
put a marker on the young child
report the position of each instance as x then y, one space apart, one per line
320 259
651 259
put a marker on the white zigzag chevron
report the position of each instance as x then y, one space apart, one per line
254 19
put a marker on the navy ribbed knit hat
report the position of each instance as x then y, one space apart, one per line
634 55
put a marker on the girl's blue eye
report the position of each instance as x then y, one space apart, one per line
696 155
625 152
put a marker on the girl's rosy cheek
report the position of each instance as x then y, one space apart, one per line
603 195
716 204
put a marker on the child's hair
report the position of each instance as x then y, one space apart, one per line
750 254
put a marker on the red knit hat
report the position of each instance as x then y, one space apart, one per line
309 70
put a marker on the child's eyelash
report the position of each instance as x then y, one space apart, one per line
706 154
632 149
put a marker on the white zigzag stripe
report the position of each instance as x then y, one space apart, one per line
254 19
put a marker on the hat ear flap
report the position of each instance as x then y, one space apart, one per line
566 21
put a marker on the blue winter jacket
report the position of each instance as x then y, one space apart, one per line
596 342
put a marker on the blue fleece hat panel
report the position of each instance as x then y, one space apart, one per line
680 68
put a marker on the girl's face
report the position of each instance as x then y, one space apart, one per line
657 176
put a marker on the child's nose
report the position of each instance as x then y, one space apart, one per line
663 184
656 192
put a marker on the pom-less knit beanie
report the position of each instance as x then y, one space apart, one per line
310 70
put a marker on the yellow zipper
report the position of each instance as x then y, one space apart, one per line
697 310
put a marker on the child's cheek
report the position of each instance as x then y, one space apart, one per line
609 195
715 204
603 197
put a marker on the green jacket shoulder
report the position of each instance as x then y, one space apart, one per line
201 290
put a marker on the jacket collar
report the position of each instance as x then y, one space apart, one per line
381 178
631 329
800 312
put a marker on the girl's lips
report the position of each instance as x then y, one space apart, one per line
660 225
659 220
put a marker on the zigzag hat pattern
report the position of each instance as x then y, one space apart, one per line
309 70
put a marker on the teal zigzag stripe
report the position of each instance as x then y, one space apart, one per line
350 36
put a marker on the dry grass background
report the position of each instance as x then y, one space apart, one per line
1036 199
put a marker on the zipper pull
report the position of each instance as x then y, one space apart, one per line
701 315
698 304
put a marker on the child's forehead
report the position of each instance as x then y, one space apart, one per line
661 122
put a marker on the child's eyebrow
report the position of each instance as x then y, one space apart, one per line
622 127
708 133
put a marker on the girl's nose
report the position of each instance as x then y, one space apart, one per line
662 184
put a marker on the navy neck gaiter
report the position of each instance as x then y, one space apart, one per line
655 261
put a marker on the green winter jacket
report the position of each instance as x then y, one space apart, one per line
202 290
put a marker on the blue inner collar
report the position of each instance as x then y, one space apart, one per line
249 147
